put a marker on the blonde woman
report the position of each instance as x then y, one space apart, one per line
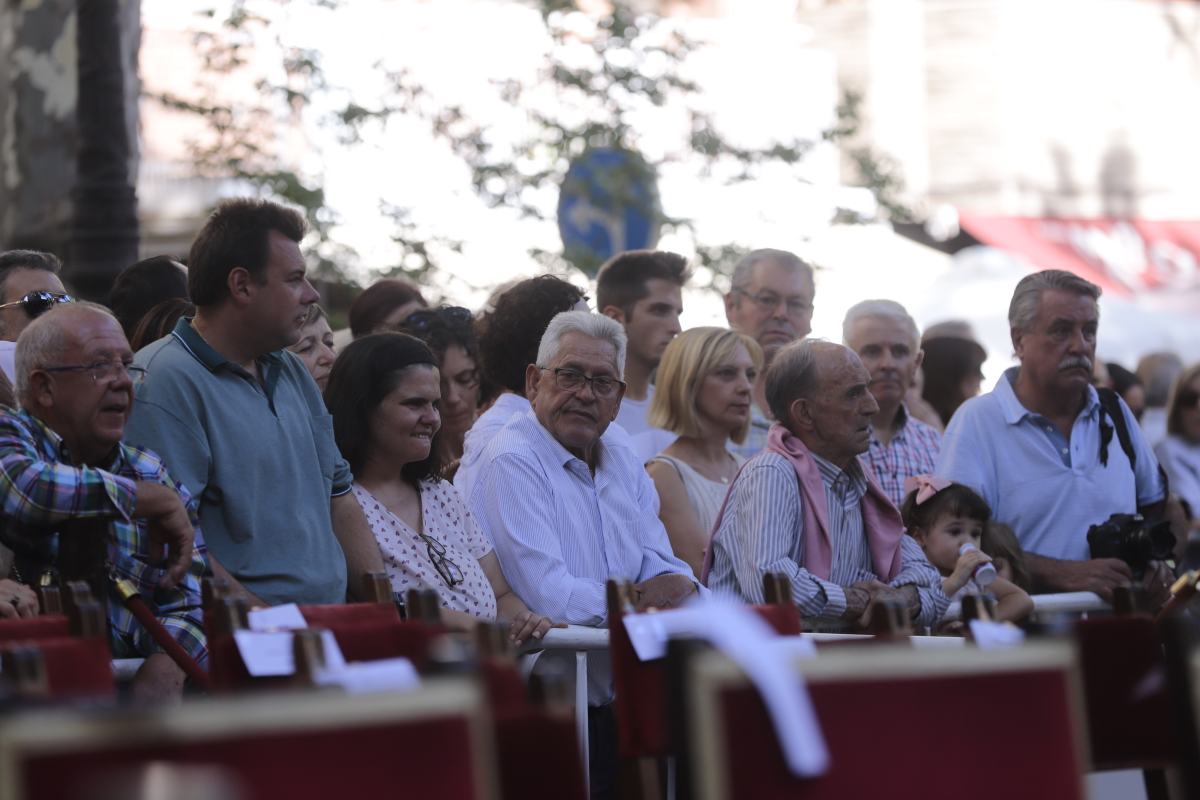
703 394
1179 453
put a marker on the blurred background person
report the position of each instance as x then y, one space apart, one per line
1157 372
952 371
160 321
315 347
705 387
383 394
1129 386
449 333
142 286
383 305
1179 452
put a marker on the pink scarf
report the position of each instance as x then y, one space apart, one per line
881 520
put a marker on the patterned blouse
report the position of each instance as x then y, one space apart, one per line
448 551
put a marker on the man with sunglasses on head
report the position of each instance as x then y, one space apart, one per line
242 423
567 505
771 299
79 502
29 286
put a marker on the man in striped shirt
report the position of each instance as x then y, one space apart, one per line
886 339
806 507
64 468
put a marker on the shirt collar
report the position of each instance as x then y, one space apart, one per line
831 475
203 352
901 423
50 443
559 455
1011 405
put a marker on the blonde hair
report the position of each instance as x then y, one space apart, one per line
689 357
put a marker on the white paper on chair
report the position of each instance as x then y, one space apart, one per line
269 654
363 677
286 617
755 647
989 635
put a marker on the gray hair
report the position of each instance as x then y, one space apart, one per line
792 375
597 326
1028 294
885 309
45 340
744 268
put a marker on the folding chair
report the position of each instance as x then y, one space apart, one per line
1000 724
306 746
1125 693
49 663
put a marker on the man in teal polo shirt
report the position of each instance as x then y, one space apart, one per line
239 421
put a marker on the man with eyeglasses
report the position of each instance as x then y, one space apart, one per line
79 502
29 286
771 299
242 423
567 504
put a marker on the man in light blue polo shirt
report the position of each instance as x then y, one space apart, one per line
241 423
1032 447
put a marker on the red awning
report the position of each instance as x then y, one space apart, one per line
1122 256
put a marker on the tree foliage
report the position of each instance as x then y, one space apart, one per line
601 79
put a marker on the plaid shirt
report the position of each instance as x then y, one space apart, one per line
40 488
913 450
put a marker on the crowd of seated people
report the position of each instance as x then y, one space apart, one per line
514 461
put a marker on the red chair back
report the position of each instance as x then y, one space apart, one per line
75 668
306 746
46 626
1125 693
785 619
997 725
538 754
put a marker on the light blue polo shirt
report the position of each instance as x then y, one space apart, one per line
1047 489
261 459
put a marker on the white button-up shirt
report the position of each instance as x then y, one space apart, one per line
560 532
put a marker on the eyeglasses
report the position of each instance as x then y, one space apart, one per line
104 372
445 567
572 380
39 302
769 301
451 316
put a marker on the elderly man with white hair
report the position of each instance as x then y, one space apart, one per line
79 501
889 345
567 503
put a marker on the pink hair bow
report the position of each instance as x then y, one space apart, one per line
926 486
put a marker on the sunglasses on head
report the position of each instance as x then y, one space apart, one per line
423 320
39 302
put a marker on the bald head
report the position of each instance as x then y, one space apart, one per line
819 391
46 341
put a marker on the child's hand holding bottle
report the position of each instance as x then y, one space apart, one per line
972 563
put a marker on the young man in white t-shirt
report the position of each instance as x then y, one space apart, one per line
642 290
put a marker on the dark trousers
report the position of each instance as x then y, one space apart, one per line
602 751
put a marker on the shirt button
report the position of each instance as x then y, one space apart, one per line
1064 451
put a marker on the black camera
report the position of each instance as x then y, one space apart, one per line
1132 539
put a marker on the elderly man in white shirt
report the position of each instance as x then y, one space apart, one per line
566 502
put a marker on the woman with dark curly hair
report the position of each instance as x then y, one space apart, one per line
383 393
448 332
508 343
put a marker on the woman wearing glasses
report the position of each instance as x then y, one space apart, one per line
705 385
1179 453
384 394
449 334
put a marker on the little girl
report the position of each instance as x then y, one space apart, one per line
944 516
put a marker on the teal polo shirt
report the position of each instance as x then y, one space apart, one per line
260 458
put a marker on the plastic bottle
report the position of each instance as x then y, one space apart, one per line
984 573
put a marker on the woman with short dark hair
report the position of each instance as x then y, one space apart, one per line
384 394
